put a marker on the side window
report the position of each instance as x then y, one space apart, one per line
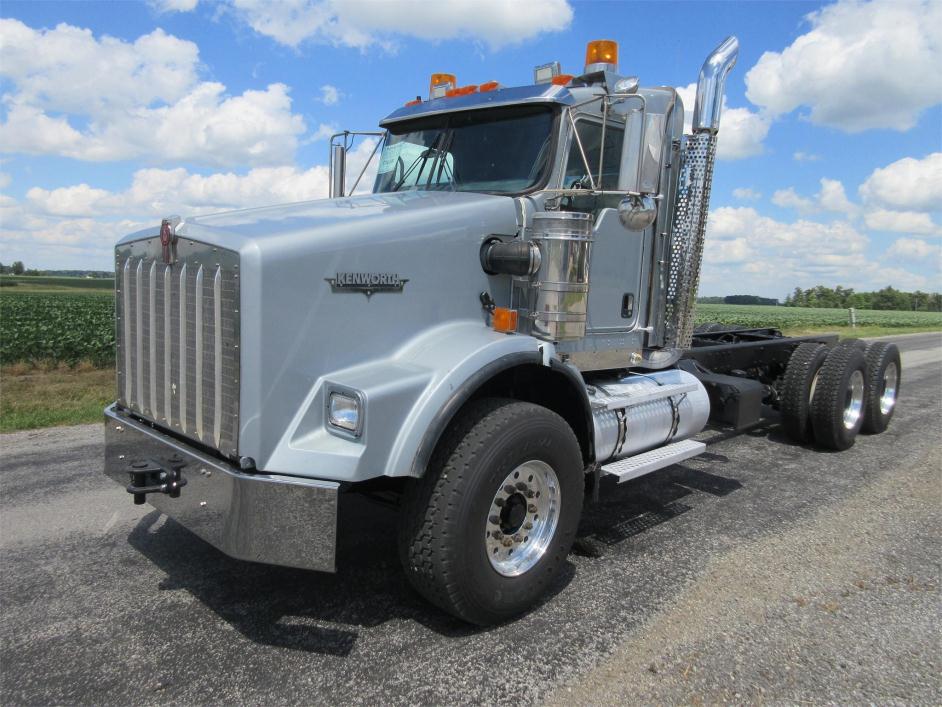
590 133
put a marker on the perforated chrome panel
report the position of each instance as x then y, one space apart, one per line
178 339
686 239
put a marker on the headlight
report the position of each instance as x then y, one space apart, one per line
343 412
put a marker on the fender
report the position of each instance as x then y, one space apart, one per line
409 399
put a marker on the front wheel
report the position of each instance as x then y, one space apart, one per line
486 531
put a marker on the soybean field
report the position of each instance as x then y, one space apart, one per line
792 318
57 327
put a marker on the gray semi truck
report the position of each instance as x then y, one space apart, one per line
493 337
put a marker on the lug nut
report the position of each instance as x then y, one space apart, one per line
532 508
508 489
498 502
494 519
528 526
507 542
497 535
518 538
530 494
521 486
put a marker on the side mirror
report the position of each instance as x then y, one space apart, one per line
641 152
338 170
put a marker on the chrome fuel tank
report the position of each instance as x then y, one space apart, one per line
644 411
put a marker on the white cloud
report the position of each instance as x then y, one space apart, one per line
76 226
134 100
915 250
771 257
173 5
362 23
789 199
741 130
746 194
324 131
330 95
902 222
907 184
805 157
862 65
831 197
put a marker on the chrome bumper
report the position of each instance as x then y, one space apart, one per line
278 520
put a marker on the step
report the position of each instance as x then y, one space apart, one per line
648 394
641 464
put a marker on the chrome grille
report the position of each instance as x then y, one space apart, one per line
178 339
686 239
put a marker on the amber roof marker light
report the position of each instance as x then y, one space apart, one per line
439 84
601 55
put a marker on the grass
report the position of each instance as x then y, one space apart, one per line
861 332
32 397
14 284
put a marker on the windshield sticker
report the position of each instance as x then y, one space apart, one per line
387 161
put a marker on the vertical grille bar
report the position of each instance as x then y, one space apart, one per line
182 294
139 335
217 356
168 342
126 314
198 294
152 336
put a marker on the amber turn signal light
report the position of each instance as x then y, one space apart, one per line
504 320
561 79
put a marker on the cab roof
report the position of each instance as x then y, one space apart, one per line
513 95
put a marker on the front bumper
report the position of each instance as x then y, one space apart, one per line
278 520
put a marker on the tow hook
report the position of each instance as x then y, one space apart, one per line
149 477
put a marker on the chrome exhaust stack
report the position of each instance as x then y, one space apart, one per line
693 197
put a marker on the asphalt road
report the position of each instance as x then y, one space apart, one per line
759 571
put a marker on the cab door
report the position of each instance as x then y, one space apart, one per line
615 269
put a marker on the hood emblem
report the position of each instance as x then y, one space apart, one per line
366 282
168 239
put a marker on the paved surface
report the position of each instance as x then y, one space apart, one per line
757 572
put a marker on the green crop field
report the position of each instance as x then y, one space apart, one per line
59 328
748 315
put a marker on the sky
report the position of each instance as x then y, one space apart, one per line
114 115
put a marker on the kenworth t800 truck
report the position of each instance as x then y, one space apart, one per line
496 334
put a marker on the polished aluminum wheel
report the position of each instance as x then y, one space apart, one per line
888 396
853 401
522 518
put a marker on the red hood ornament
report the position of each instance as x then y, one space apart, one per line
168 239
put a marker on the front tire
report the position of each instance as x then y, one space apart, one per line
464 539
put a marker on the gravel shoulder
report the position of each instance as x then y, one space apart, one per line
842 609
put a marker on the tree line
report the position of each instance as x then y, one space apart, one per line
17 268
889 298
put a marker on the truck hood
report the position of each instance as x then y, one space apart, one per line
299 330
334 221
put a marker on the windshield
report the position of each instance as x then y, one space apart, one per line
497 151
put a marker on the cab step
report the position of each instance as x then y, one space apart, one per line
647 396
641 464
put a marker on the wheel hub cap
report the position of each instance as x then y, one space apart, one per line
853 400
888 396
522 518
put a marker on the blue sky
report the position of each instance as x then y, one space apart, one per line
114 114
